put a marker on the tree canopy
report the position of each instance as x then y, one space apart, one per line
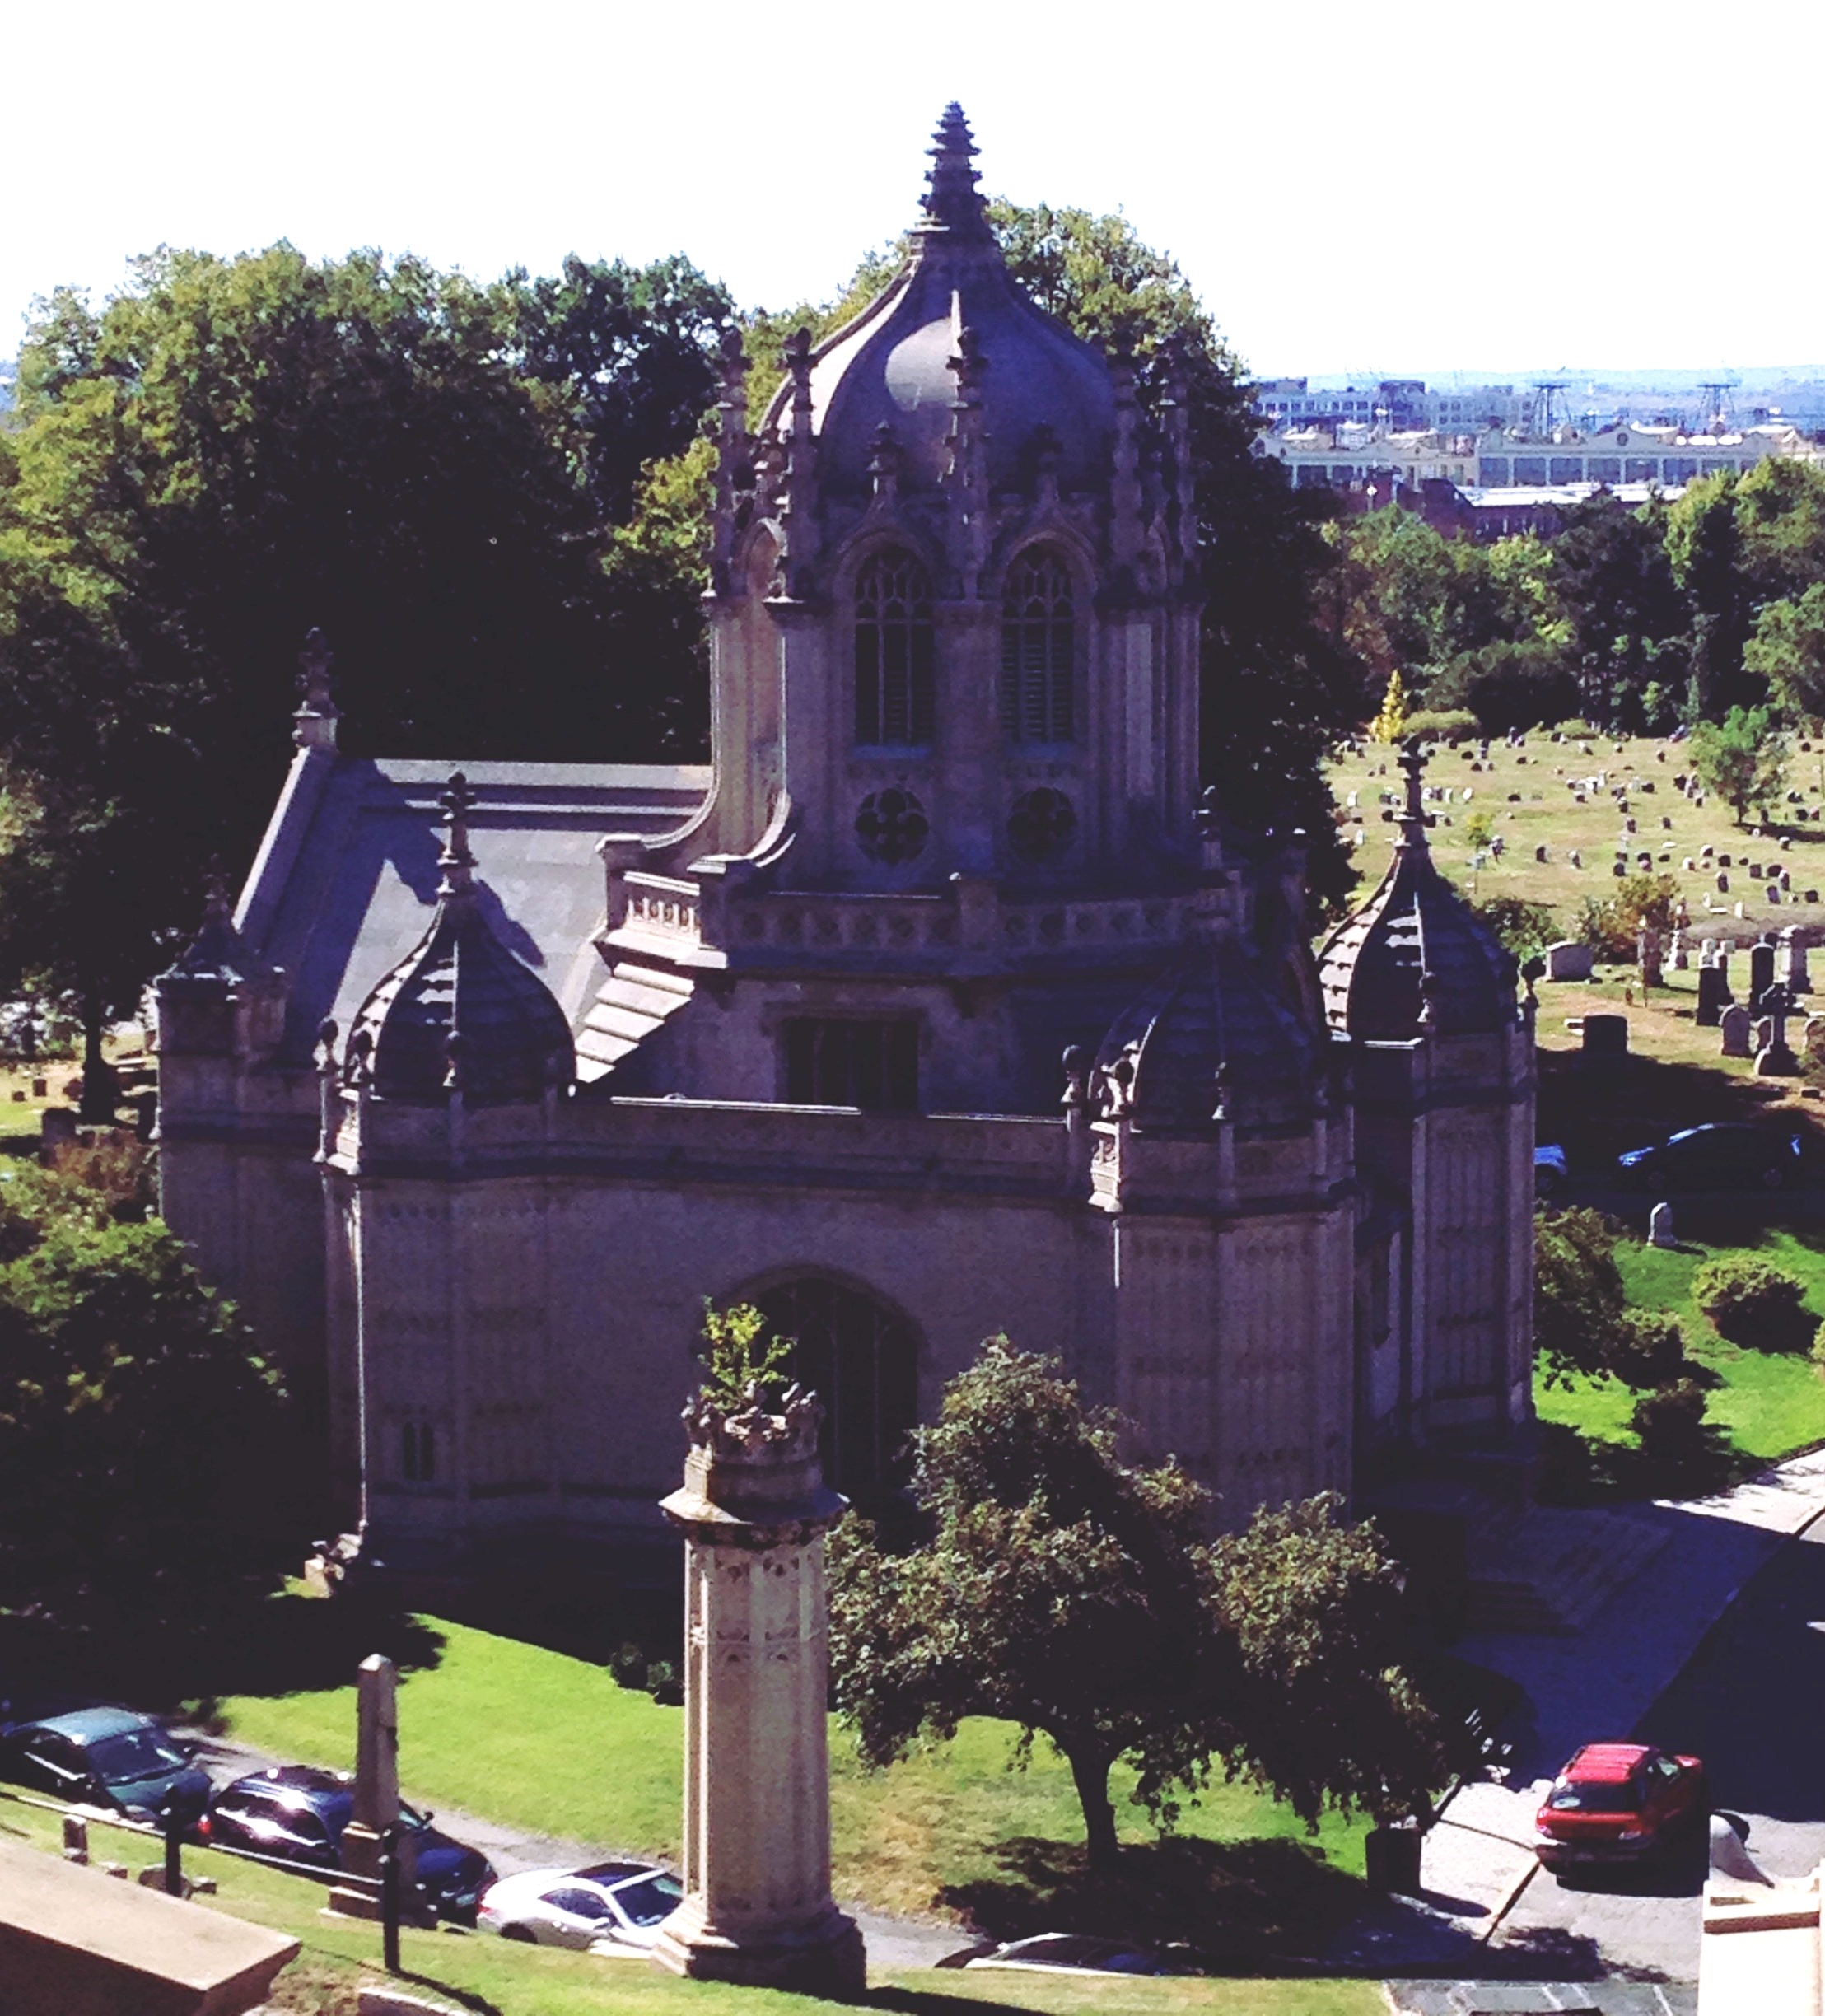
1068 1592
144 1461
233 450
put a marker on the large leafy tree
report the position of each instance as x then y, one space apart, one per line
1072 1593
1630 625
143 1451
1743 758
234 450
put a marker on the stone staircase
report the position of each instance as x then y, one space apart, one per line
1548 1570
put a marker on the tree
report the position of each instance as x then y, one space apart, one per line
1705 545
143 1459
1742 759
1583 1327
1389 725
1787 648
233 450
1070 1593
1629 626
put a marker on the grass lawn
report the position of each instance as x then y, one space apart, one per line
1770 1404
522 1981
551 1744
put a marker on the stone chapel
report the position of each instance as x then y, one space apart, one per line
940 1004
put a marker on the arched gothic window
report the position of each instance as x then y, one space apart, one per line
861 1361
1038 650
895 702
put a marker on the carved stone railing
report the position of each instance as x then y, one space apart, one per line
660 906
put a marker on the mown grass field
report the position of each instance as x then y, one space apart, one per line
487 1973
1770 1404
552 1745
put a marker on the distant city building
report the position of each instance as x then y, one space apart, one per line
1371 465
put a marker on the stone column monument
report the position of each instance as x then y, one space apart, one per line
753 1511
376 1794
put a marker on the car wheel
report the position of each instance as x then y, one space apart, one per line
524 1934
1773 1179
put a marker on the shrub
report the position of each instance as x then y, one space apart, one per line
1649 1349
1752 1302
1610 925
1576 730
1443 724
1509 685
1523 929
1479 830
1818 1347
1680 1448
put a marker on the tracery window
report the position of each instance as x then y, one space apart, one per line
1038 650
895 700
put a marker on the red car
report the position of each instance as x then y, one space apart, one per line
1618 1803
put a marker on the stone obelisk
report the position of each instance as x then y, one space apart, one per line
376 1794
753 1511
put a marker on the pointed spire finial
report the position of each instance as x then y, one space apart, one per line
952 202
1412 761
313 724
456 861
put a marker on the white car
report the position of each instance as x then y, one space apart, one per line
621 1904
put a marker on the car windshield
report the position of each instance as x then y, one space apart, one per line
1572 1795
649 1900
135 1753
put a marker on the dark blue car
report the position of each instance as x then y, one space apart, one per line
296 1813
1722 1156
109 1757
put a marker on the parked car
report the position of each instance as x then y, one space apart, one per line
622 1903
296 1813
1721 1155
109 1757
1072 1953
1619 1803
1552 1172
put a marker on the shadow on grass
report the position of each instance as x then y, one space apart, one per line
1578 1470
1234 1902
284 1645
1596 1114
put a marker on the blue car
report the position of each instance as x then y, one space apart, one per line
1722 1156
109 1757
297 1812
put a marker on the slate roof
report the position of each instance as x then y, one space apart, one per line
347 878
1210 1033
892 364
1416 946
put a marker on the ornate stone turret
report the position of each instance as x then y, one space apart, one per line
459 1013
1415 957
753 1511
1420 998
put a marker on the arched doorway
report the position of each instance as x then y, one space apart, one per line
861 1361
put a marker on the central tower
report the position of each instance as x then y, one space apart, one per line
950 628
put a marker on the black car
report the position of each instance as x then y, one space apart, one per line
1722 1156
109 1757
296 1813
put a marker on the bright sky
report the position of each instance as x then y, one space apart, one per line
1411 185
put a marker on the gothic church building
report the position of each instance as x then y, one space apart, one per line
939 1004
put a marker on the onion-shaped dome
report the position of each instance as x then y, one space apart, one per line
459 1011
1414 960
1209 1040
953 299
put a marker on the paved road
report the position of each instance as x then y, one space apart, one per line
891 1941
1748 1704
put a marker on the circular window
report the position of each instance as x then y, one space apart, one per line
892 827
1041 824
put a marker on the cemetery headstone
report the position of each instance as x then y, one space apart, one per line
1605 1036
1761 971
1660 1231
1732 1028
1569 960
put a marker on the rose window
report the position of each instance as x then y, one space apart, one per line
892 826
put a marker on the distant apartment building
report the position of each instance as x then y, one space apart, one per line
1398 404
